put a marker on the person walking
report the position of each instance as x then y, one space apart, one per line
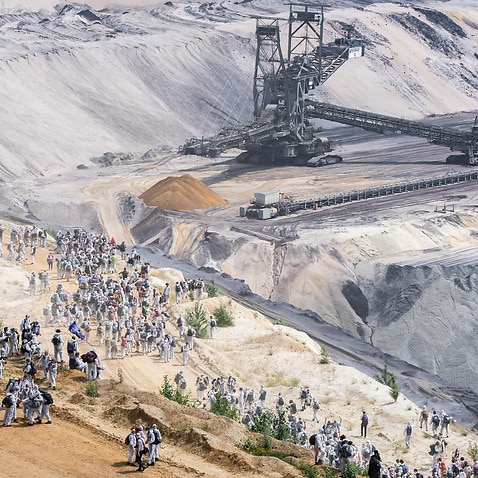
72 346
140 451
32 284
57 341
315 408
375 465
52 373
262 397
185 352
435 421
408 434
9 403
212 326
34 402
154 440
131 443
424 417
33 250
45 409
189 337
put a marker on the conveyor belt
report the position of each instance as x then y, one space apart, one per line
454 139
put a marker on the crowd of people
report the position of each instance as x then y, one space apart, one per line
24 392
120 312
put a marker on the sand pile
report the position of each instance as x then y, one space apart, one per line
183 193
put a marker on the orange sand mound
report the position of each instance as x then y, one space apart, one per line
183 193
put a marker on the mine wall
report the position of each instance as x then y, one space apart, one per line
415 309
402 309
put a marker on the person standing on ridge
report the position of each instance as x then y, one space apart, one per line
364 424
408 434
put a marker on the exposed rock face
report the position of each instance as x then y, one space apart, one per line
427 316
389 286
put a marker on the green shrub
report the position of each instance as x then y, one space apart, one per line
197 318
394 391
281 426
324 356
173 393
355 469
388 378
473 451
222 407
223 316
212 290
307 470
51 232
274 424
91 388
263 422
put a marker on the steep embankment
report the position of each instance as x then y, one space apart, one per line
77 83
380 279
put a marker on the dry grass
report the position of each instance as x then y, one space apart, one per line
261 339
277 379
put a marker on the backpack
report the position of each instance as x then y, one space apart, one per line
33 369
280 401
432 450
179 322
47 398
190 332
157 437
70 346
262 395
7 402
366 449
409 429
89 357
182 384
346 450
55 340
312 439
213 323
126 440
9 383
435 419
34 402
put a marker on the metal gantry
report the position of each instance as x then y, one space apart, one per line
282 83
282 130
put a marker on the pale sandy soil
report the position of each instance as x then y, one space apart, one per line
86 433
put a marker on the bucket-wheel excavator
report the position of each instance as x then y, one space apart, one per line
282 130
